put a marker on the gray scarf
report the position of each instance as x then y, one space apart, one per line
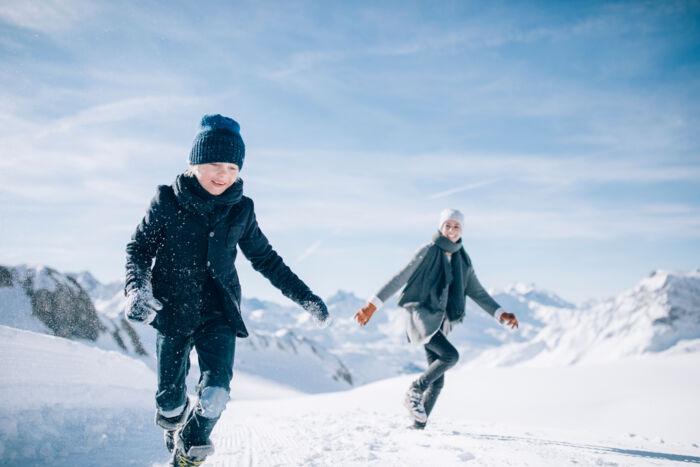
436 273
457 272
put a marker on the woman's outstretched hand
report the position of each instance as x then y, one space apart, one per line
510 320
365 314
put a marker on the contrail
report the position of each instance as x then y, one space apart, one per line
471 186
309 251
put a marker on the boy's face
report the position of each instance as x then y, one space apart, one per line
452 230
216 177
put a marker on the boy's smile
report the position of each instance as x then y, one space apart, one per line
216 177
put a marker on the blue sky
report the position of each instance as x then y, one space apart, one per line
567 134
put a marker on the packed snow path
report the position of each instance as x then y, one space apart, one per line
361 437
369 426
637 412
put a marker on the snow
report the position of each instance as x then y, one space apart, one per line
67 403
16 310
631 413
611 383
661 312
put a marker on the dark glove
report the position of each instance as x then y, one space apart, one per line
141 306
318 310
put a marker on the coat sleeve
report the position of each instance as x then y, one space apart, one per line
267 262
401 277
476 292
144 244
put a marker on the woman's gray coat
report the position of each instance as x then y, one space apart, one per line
424 318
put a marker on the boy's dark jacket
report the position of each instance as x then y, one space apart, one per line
191 235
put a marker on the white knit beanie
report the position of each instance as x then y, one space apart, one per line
451 214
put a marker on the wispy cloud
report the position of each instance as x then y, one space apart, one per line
45 15
138 109
309 251
460 189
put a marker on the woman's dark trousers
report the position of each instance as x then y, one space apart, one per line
441 357
215 343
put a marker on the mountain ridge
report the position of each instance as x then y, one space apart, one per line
659 314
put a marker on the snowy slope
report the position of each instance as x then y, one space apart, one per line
492 416
62 401
630 400
65 403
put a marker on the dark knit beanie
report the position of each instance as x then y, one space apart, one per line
219 140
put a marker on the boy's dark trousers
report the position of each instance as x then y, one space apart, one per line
215 342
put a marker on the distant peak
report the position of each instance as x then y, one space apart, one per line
664 278
521 288
342 295
532 293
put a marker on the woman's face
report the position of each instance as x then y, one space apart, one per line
452 230
216 177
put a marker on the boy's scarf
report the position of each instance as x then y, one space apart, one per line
193 197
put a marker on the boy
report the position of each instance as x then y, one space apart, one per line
191 293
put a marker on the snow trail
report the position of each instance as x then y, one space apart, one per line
249 435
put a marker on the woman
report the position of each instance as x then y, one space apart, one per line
191 293
438 279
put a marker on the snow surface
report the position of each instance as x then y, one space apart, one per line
66 403
616 414
609 383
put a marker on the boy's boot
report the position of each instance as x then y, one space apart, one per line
413 401
172 424
192 456
192 443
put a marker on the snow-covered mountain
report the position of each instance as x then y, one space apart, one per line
94 288
660 314
41 299
380 349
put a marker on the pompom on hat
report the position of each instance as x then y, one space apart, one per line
451 214
218 140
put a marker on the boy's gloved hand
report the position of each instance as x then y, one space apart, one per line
318 310
141 306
